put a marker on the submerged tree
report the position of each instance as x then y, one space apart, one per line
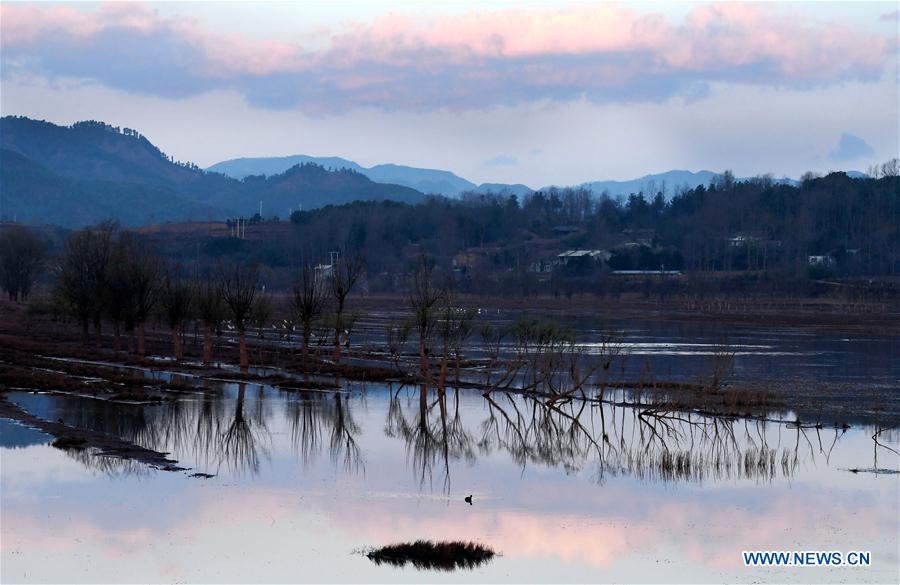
211 308
21 258
175 298
239 292
424 297
262 312
344 275
308 301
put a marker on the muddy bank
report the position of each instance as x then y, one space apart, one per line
68 437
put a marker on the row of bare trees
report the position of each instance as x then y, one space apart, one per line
104 275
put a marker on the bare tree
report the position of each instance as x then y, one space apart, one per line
21 258
344 275
239 292
141 269
175 299
118 298
211 309
262 312
308 301
82 274
424 296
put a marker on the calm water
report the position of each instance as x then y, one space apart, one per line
304 481
683 351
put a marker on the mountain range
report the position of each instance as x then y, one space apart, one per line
447 183
81 174
90 171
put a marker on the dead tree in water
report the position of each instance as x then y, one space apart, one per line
424 297
397 335
211 308
344 275
239 292
21 257
176 300
308 301
454 327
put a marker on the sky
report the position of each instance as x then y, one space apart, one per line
519 92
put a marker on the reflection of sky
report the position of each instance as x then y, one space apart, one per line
301 522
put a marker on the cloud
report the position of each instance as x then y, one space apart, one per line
851 147
598 52
502 160
890 16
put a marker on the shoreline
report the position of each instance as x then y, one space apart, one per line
802 314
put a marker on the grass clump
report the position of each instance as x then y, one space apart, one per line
425 554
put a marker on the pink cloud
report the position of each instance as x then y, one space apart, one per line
481 58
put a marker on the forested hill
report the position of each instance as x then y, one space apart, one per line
91 171
832 225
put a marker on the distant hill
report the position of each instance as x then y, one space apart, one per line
450 185
431 181
518 189
648 184
88 171
311 186
239 168
32 194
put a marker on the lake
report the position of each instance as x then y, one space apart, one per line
304 482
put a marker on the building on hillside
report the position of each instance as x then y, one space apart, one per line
576 255
742 240
543 266
821 261
324 271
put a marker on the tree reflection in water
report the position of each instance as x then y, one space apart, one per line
431 435
210 433
616 440
245 437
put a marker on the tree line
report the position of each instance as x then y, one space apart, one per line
761 226
104 275
752 236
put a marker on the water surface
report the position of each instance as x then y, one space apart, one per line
304 481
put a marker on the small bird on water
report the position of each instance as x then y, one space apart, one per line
469 499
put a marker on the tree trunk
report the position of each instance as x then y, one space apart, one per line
245 360
117 338
305 347
141 348
84 331
98 331
423 359
443 378
336 355
176 344
207 346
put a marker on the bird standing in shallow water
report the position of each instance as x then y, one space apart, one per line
469 499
